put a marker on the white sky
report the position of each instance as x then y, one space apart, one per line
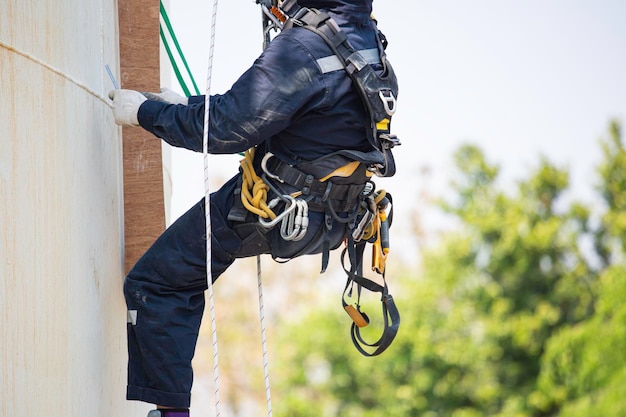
518 78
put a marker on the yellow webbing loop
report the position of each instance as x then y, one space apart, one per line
253 189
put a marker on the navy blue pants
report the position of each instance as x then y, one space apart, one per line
165 293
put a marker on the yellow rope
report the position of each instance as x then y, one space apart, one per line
253 189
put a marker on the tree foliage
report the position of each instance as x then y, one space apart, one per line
584 368
509 317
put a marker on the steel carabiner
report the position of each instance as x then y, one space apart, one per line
288 209
295 226
266 158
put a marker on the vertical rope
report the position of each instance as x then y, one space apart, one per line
207 208
266 370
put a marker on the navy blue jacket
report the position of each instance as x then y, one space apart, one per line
284 100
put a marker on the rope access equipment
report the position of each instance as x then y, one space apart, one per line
256 195
371 221
207 208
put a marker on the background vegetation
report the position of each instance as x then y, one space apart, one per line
518 312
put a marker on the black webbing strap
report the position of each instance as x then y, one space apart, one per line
391 316
306 183
322 24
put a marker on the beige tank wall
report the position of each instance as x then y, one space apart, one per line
62 314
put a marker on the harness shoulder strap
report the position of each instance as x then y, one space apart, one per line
378 92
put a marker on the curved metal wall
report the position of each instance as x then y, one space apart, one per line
62 314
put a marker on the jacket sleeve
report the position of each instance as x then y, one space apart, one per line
281 84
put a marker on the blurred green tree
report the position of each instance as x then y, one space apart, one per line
584 367
509 316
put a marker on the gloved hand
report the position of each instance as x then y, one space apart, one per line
126 105
167 96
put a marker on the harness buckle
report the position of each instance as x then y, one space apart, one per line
389 140
308 181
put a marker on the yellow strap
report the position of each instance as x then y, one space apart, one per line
379 254
343 171
383 125
356 316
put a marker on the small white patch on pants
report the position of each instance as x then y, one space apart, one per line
131 317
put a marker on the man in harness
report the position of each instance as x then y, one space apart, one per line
308 139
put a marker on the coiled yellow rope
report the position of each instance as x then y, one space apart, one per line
253 189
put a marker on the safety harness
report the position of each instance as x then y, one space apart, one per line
339 182
378 92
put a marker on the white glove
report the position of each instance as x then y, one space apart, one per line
167 96
126 105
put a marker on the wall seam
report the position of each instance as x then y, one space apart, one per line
56 71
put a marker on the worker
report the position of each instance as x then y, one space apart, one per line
299 115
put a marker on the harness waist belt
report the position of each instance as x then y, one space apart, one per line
345 195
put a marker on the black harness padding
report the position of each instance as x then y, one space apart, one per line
342 197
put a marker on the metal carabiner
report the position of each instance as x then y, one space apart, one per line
389 101
302 222
288 209
295 226
266 158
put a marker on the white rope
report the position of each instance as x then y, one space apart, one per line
266 370
207 208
